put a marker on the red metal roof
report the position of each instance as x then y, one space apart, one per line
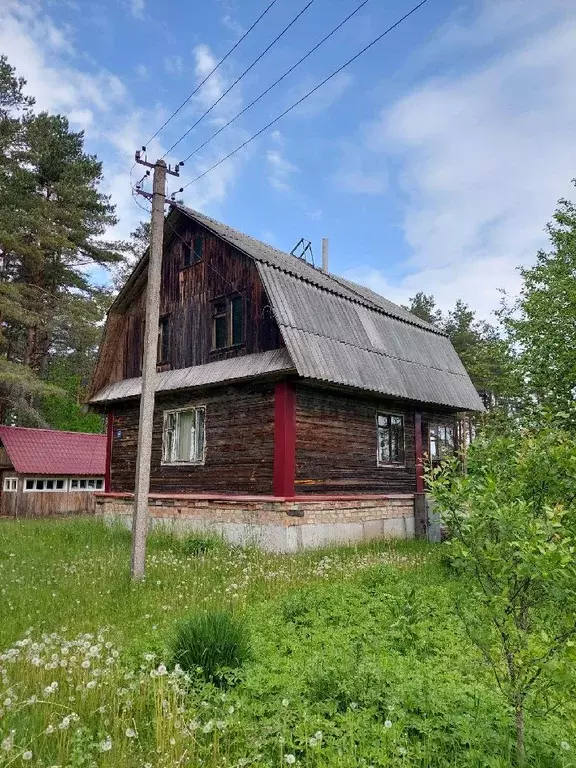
51 452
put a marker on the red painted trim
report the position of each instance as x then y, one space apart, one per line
109 438
284 439
419 452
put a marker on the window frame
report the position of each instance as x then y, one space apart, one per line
379 460
54 479
80 484
198 462
163 340
229 315
442 454
193 251
9 481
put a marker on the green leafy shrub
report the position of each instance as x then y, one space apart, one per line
198 545
213 642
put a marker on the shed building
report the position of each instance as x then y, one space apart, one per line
48 472
293 406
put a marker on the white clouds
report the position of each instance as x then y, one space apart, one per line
324 98
484 156
174 65
232 25
96 100
137 8
279 168
214 86
359 173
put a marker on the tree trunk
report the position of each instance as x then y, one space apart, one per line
30 345
519 722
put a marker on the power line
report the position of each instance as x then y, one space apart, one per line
227 91
209 75
307 95
279 80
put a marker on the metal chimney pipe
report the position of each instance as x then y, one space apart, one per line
325 254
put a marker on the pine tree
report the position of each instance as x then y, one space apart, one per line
53 218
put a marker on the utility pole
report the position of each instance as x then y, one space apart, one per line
147 396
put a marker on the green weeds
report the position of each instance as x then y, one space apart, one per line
357 659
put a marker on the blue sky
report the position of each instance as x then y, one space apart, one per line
432 163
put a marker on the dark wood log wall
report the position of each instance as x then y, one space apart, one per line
336 444
187 294
239 443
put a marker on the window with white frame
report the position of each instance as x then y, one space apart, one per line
10 483
184 436
441 440
390 427
50 484
86 483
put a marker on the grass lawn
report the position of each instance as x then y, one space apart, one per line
357 659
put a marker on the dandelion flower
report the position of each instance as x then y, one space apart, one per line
312 742
290 759
387 723
285 702
27 755
130 733
106 745
565 746
318 735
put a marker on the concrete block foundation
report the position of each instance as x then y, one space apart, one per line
273 523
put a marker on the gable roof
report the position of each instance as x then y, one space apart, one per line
51 452
342 333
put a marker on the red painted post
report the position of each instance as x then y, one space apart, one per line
109 438
284 439
419 452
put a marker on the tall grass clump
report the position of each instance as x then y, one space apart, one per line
213 641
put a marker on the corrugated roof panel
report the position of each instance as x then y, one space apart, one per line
234 368
316 311
301 269
50 452
317 357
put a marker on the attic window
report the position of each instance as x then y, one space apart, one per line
227 322
192 252
163 354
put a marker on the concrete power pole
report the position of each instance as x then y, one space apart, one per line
141 491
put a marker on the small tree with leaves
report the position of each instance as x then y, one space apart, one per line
512 526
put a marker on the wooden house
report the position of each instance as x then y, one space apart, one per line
48 472
292 406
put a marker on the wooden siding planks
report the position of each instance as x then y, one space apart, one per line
336 445
239 443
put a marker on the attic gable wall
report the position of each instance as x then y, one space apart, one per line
187 296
